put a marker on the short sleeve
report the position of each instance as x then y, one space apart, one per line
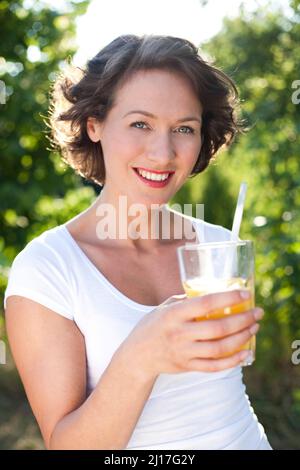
39 274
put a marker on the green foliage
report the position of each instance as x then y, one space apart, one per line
34 45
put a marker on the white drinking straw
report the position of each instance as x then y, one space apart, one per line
237 219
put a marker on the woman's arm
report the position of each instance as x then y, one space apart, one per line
49 352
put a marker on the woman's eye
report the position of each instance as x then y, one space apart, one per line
188 130
137 124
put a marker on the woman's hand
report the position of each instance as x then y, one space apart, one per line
169 340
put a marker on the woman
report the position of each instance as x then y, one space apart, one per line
99 326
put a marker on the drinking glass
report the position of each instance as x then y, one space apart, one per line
212 267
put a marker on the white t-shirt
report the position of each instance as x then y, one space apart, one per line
193 410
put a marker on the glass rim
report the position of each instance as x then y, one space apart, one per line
195 246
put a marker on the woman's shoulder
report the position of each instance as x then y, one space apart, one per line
213 232
41 272
208 232
49 246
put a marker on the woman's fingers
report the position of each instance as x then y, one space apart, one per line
216 365
222 327
200 305
222 347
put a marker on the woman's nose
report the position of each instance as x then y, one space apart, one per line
161 149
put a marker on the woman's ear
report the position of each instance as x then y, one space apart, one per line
93 128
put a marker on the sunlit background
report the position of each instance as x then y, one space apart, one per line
195 20
191 19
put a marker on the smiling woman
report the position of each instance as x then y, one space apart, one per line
91 92
111 357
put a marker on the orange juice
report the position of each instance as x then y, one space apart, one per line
201 286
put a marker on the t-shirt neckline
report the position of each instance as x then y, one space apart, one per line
100 275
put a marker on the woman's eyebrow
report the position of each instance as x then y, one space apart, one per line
146 113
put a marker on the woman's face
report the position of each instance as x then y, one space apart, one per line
168 140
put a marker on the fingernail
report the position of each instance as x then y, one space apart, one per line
258 313
247 358
245 354
254 329
244 294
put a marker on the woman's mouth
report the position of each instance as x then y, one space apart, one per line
154 179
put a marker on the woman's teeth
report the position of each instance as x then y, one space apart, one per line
153 176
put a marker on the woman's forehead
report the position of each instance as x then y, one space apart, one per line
155 76
157 87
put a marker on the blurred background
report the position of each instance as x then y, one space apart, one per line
258 44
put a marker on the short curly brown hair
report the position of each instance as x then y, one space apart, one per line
79 93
